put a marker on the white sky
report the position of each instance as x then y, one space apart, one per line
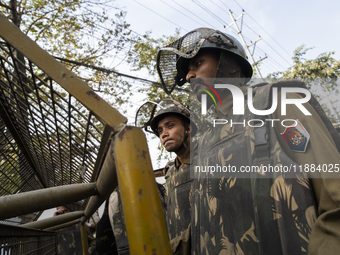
289 23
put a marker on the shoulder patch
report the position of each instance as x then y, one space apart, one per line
296 137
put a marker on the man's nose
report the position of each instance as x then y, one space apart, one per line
190 75
164 134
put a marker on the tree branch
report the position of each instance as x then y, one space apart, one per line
5 5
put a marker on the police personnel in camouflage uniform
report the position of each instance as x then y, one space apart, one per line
173 125
256 212
105 239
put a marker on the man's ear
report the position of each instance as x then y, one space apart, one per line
189 129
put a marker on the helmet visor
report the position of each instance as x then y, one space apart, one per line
146 113
167 58
171 59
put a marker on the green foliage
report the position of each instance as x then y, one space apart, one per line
321 76
147 50
85 31
323 67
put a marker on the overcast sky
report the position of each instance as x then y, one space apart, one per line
282 25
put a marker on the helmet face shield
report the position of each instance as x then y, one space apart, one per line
150 113
171 64
145 114
186 47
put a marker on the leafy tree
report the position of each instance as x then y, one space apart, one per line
84 31
81 33
147 52
321 76
147 49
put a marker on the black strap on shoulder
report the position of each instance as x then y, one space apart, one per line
261 141
261 99
332 131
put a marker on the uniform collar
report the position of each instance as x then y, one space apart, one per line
227 102
185 161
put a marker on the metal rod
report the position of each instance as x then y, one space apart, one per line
245 44
58 72
18 231
65 225
106 183
38 200
144 219
260 60
255 42
84 241
53 221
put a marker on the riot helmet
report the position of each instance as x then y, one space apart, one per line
150 113
173 58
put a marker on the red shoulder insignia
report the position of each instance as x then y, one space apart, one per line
296 137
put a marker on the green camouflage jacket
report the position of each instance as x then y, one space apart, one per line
178 186
120 229
69 240
248 212
105 239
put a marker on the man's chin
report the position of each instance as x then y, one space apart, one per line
199 98
199 95
171 148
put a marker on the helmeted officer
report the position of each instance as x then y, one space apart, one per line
264 211
174 125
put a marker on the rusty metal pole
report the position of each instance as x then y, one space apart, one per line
54 221
84 244
65 225
38 200
144 219
106 183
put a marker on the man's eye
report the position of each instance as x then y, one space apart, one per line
198 63
160 132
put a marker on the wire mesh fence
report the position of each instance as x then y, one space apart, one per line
47 137
19 241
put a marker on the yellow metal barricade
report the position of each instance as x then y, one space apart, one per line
123 150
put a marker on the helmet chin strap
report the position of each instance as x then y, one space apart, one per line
186 136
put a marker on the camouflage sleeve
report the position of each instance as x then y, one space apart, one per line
181 245
112 207
120 228
69 240
178 215
321 150
105 240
